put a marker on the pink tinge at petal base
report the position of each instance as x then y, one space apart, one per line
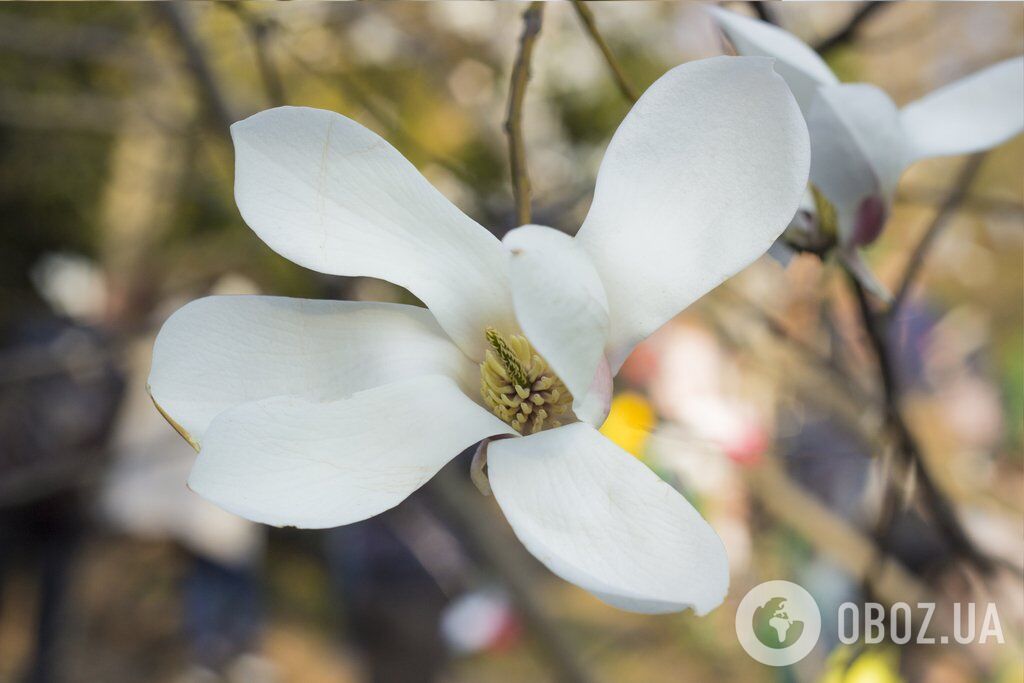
871 217
599 398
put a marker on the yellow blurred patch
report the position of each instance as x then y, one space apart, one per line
879 665
630 422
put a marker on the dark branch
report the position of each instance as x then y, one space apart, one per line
763 13
864 12
876 326
216 104
467 510
260 31
941 220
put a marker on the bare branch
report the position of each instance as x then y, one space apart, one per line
467 510
941 220
815 357
761 10
836 538
589 23
174 14
876 326
260 31
864 12
514 121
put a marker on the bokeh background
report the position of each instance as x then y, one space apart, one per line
761 402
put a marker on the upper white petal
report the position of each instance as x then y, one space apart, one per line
700 178
598 517
333 196
561 306
857 148
290 461
218 352
802 67
969 115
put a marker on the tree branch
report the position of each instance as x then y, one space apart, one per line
938 506
259 30
816 358
834 537
864 12
216 104
514 121
460 502
761 10
590 24
942 218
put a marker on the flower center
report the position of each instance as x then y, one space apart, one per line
517 384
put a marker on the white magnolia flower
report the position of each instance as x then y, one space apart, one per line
861 142
321 413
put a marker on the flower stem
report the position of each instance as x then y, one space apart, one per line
590 24
514 121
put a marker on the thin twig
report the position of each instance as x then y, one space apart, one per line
174 14
836 538
849 30
514 121
259 30
876 326
761 10
821 361
590 24
942 219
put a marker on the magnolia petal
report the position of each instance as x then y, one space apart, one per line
329 194
598 517
289 461
562 309
975 113
802 67
856 154
698 181
221 351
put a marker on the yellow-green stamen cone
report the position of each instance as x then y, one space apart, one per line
519 387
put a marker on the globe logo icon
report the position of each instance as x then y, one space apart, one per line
778 622
774 626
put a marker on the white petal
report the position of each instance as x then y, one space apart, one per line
800 65
975 113
856 155
290 461
218 352
698 181
562 309
330 195
598 517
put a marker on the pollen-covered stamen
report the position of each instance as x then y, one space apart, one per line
517 384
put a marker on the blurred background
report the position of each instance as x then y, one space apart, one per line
761 403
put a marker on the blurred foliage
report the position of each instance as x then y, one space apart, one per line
83 85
